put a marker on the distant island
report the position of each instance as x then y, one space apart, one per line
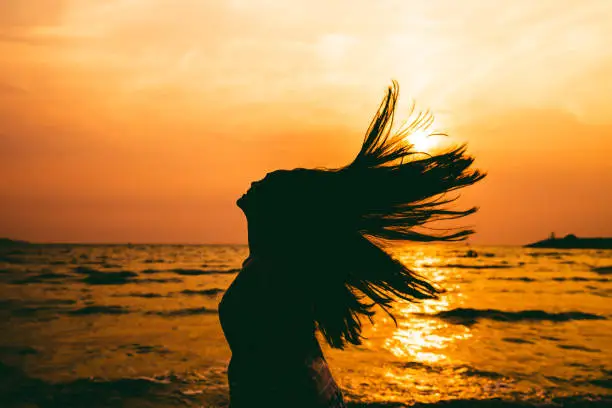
12 242
571 241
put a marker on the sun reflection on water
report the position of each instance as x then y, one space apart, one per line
425 340
425 359
426 348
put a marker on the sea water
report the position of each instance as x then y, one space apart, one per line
137 326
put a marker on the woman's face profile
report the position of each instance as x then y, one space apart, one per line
282 194
266 192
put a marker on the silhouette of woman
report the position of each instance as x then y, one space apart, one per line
316 260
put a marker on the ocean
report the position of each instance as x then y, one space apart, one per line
137 326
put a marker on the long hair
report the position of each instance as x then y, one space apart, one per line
389 192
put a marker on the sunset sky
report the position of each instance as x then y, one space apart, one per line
144 120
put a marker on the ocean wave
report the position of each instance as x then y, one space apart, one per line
148 295
602 382
191 272
550 338
58 302
553 254
519 278
110 266
580 279
183 312
18 351
96 277
203 292
16 303
41 310
215 264
463 266
144 349
49 277
14 260
464 370
579 348
602 293
474 254
468 316
111 278
93 310
517 340
602 270
154 261
556 279
157 280
198 272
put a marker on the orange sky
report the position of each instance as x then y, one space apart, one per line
144 120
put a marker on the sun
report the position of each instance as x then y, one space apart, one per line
424 141
423 131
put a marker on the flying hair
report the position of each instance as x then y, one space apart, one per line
390 192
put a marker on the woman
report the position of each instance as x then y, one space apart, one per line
316 261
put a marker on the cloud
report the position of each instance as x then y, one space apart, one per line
9 89
31 12
34 22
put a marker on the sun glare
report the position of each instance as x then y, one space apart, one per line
423 140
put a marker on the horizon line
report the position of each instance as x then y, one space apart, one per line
24 241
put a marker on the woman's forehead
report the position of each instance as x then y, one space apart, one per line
277 173
294 175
